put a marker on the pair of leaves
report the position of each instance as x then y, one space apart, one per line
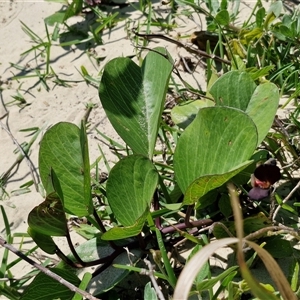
218 143
260 103
133 99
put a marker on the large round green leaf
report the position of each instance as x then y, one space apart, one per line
218 141
133 98
130 188
64 149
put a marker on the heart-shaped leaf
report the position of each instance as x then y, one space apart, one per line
133 98
219 140
130 188
64 149
49 218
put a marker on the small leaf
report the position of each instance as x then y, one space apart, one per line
57 17
269 20
222 17
111 276
149 292
248 36
118 233
260 14
130 188
236 48
49 218
210 283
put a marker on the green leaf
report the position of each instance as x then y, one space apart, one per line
130 188
133 98
204 184
269 20
262 108
278 247
294 274
238 89
61 149
204 271
44 288
83 285
118 233
184 113
222 17
251 224
149 292
248 36
218 141
45 242
210 283
112 276
260 15
233 89
57 17
49 218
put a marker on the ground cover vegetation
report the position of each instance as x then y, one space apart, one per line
198 166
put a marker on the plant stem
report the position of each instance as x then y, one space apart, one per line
46 271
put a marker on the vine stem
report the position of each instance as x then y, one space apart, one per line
285 200
46 271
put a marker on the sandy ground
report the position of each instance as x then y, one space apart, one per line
59 103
